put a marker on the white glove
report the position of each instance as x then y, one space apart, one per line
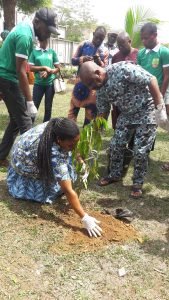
31 108
160 114
90 224
83 168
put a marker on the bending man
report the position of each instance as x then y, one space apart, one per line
136 94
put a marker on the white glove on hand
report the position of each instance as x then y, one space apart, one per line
83 168
90 224
160 113
31 108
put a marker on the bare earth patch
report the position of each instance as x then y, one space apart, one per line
77 240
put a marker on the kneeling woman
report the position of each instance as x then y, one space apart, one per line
41 167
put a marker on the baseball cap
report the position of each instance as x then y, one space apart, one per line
49 17
113 33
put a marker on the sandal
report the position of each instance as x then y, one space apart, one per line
120 213
136 191
108 180
165 167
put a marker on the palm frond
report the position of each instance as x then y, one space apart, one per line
135 18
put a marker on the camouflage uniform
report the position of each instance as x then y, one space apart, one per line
127 88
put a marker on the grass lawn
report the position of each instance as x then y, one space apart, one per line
30 269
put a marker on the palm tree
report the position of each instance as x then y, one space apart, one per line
135 18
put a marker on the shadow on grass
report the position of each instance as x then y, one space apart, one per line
153 205
32 210
147 208
156 247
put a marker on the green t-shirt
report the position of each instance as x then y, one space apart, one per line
154 61
48 58
19 43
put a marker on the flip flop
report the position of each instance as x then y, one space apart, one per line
123 213
120 213
136 192
108 180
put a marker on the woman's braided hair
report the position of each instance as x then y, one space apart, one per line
57 128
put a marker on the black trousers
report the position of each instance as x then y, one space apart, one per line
19 120
38 92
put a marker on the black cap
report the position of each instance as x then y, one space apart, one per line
48 16
112 33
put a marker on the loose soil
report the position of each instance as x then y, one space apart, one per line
77 240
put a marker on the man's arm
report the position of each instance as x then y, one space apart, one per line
21 64
105 61
55 63
155 91
77 58
160 111
56 69
165 80
102 103
22 76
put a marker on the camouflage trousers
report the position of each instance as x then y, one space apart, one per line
144 135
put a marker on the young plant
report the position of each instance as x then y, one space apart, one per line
87 150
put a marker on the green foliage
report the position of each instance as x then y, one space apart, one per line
135 18
75 15
30 6
88 147
166 45
68 71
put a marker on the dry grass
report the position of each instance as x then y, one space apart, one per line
30 270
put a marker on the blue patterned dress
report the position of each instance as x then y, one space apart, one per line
23 177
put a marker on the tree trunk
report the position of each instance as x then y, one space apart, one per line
9 13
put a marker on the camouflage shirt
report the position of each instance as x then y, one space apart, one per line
127 88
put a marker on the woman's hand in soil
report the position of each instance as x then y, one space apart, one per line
90 224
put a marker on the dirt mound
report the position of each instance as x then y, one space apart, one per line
77 240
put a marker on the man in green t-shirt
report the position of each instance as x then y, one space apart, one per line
155 58
14 84
44 62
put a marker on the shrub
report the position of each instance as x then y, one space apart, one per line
68 71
